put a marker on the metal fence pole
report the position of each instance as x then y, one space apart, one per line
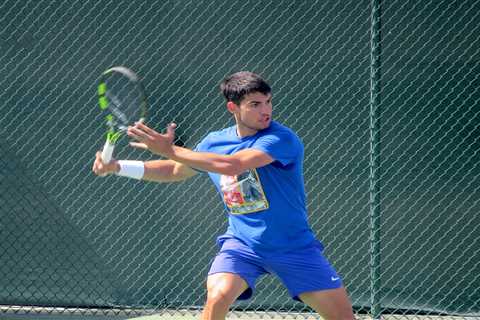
375 213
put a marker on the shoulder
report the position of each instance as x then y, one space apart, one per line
280 143
214 137
219 134
222 132
282 133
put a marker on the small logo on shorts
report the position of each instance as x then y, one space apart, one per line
335 278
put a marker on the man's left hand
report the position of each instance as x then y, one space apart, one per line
149 139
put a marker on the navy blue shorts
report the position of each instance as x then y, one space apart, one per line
300 271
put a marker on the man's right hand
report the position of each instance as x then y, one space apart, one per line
102 169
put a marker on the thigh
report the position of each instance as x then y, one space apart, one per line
305 270
332 304
234 258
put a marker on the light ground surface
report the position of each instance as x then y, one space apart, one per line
22 313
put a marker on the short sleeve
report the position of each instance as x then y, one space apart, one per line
202 146
283 146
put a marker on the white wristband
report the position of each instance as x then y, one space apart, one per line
131 169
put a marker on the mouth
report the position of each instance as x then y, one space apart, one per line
265 122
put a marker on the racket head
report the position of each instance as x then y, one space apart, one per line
122 96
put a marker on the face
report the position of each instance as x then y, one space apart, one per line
253 114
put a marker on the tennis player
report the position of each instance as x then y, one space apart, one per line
257 167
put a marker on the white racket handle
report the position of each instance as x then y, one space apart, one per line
107 151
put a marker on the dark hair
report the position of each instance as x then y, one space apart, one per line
238 85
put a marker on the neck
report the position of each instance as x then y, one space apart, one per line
243 131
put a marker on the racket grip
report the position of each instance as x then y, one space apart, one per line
107 151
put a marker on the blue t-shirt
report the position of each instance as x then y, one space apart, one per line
265 206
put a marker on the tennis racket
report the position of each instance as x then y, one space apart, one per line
121 94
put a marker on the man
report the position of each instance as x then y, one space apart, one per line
257 167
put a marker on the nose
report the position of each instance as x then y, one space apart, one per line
267 108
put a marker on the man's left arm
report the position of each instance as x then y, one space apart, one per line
230 165
162 144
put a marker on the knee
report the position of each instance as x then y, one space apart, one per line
341 313
218 298
223 289
344 314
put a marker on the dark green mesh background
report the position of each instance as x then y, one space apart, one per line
71 239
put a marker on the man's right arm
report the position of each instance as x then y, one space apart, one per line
155 170
167 171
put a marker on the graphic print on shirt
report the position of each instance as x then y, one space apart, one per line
243 193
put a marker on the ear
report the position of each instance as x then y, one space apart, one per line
232 107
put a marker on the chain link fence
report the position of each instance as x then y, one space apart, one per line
72 240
